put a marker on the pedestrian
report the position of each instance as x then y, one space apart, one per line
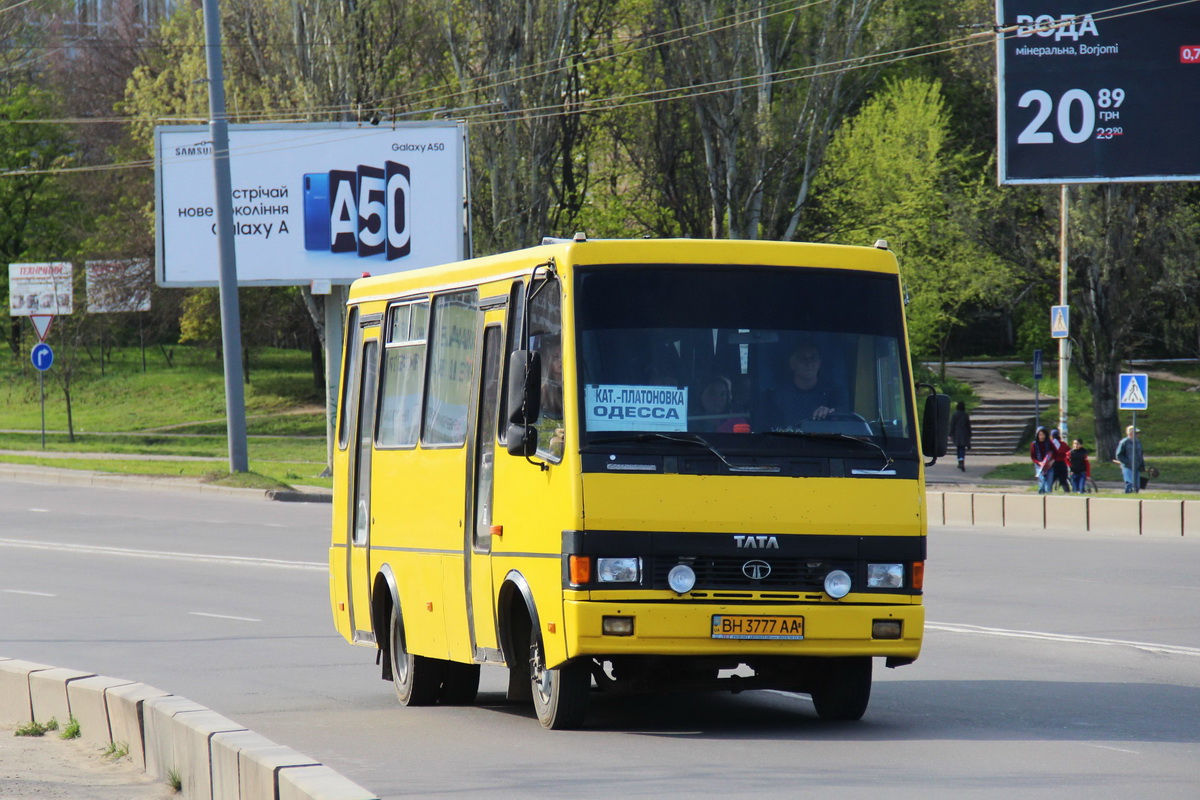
1129 456
1061 452
960 433
1042 453
1081 468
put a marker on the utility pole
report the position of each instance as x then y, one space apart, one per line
1064 344
231 325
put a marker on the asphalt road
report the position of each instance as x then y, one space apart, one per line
1056 665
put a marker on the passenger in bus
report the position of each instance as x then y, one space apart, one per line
807 395
715 407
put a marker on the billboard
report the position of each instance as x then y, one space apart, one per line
116 286
38 289
1107 96
312 202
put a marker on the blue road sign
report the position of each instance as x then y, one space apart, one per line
42 356
1037 365
1060 322
1132 393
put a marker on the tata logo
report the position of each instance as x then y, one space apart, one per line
756 570
365 211
756 542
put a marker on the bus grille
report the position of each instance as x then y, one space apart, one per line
732 572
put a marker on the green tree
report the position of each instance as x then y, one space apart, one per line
891 173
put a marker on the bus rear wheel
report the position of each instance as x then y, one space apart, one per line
417 679
560 696
842 688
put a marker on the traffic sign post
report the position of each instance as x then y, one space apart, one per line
1133 394
43 358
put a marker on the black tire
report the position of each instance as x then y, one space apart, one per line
842 688
417 679
460 684
560 696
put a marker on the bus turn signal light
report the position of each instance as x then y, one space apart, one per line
918 579
580 569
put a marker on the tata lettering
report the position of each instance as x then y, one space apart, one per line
364 211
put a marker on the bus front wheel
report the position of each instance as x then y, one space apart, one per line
417 679
560 696
842 688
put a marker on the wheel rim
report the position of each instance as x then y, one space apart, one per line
399 656
542 679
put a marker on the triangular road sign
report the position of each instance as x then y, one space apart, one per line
41 323
1133 394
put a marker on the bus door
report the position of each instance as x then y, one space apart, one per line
358 570
480 604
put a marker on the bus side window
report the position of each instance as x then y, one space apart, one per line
403 369
545 337
451 370
516 317
348 395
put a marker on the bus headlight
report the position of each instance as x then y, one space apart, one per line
618 570
837 584
681 578
885 576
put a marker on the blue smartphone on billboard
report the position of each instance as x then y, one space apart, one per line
316 211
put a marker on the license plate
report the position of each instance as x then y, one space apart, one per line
740 626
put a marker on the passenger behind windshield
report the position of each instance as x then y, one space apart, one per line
715 410
808 395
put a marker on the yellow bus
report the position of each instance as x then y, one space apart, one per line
633 465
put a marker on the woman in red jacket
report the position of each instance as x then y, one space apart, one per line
1061 453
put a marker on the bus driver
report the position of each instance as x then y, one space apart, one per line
806 396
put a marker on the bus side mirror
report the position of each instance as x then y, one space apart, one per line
935 426
522 440
524 386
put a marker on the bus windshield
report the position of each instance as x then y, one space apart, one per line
763 359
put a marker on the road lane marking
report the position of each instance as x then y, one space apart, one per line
1150 647
223 616
40 510
63 547
34 594
1117 749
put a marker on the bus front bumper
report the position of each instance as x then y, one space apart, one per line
697 629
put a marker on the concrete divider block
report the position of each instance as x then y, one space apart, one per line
1191 518
258 766
89 706
125 717
164 749
48 693
1066 512
226 774
935 504
16 705
1025 511
958 508
1162 518
989 509
319 783
1114 515
193 733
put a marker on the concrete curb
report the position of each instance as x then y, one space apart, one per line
1162 519
214 758
79 477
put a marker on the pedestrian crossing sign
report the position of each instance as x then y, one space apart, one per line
1132 393
1060 322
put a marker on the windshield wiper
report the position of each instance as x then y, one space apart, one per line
686 438
833 436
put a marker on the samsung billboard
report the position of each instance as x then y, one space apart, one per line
312 202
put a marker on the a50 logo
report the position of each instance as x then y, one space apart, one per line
365 211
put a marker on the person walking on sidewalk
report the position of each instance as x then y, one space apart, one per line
960 434
1129 456
1042 453
1061 452
1081 468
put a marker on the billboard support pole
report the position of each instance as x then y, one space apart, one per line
1064 350
231 328
335 305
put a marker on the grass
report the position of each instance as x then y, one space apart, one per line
170 414
1168 425
174 780
116 750
71 731
34 728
